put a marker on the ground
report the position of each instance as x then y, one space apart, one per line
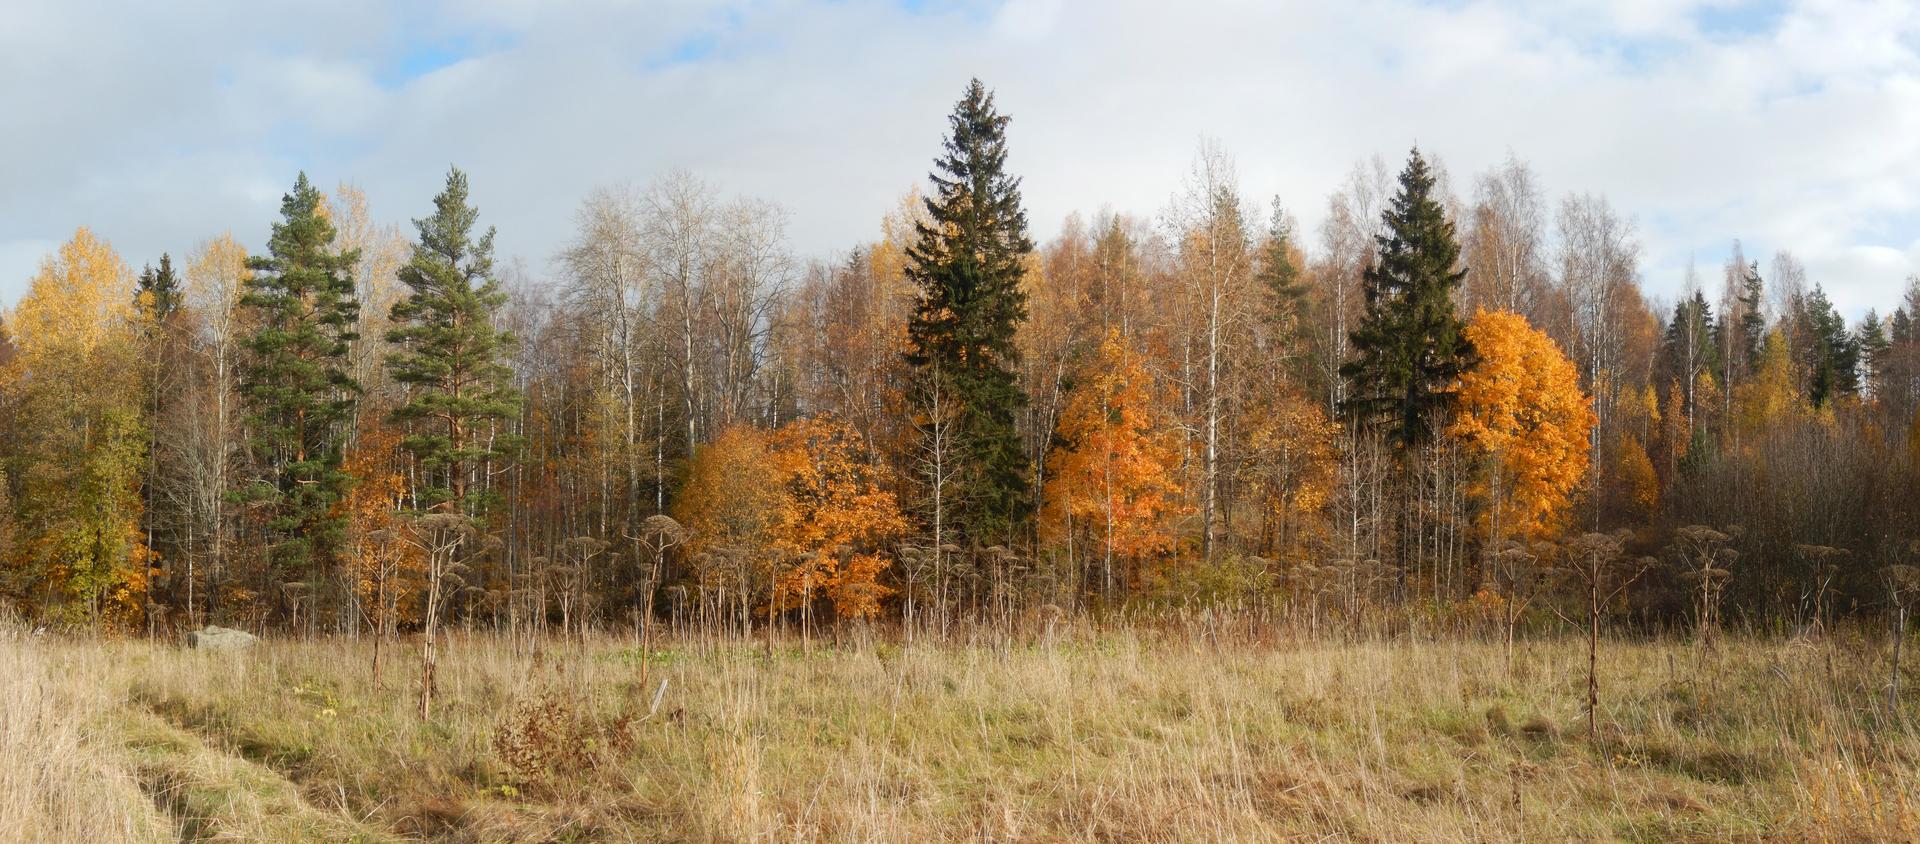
1085 734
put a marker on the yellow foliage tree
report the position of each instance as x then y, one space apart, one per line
1770 395
1522 412
835 520
1633 476
1113 480
75 385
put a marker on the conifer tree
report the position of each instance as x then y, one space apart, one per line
1690 350
157 293
1279 274
1872 341
968 261
1753 317
157 299
1410 347
1283 289
1834 358
451 355
296 385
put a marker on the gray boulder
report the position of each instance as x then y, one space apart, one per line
211 638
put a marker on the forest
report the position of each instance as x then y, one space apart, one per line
1451 408
1430 523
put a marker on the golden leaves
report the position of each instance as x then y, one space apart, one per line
1115 476
1522 411
806 498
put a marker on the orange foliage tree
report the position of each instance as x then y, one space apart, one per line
797 514
1113 480
384 568
836 519
1521 411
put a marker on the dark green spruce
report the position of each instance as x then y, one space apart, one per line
451 352
1410 348
158 295
967 261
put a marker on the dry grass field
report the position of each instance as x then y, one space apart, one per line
1121 735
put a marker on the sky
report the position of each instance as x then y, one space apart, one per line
1789 124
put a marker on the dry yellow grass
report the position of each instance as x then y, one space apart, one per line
1120 735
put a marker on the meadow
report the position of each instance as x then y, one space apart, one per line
1118 733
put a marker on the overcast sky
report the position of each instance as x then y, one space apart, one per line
1791 124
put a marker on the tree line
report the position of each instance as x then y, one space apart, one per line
1436 408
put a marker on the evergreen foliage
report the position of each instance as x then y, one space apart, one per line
1410 347
295 382
968 260
450 355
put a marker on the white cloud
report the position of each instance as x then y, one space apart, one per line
1791 125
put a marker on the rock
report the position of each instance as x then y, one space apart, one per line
211 638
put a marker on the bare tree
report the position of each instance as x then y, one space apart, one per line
679 242
205 435
440 536
1348 241
615 299
1506 242
1598 259
1216 260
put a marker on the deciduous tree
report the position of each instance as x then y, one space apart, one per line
1112 477
1523 413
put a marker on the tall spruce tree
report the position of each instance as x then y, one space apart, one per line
967 260
1410 347
157 297
451 356
295 383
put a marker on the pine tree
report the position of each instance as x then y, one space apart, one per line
1410 347
1279 276
296 385
1835 359
1753 317
450 355
968 261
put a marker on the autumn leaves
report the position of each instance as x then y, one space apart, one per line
779 519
